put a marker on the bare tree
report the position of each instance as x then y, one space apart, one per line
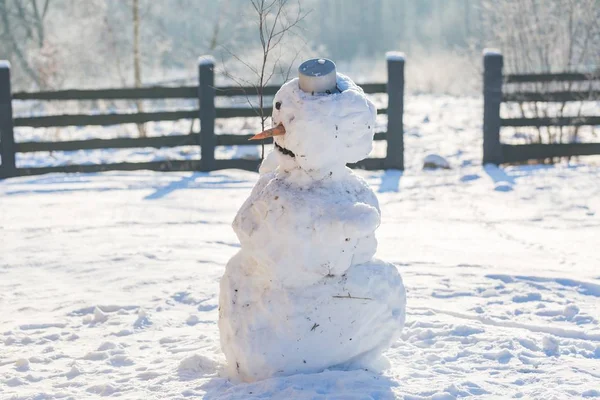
137 64
276 21
214 40
546 36
24 27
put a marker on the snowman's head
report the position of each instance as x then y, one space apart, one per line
321 133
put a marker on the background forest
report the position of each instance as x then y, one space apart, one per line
56 44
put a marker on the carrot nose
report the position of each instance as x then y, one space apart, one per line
276 131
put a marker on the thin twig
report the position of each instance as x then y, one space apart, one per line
352 297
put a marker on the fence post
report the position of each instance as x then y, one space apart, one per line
395 128
206 100
492 98
7 137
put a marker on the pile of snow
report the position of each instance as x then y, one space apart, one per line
304 292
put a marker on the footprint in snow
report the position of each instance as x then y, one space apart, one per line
120 360
104 389
143 320
207 307
469 178
527 298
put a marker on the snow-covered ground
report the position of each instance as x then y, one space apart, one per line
109 282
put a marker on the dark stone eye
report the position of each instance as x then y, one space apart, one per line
278 105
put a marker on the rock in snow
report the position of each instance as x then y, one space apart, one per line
435 161
304 292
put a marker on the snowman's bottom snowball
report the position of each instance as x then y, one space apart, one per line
342 321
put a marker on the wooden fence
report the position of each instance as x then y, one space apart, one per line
206 112
496 152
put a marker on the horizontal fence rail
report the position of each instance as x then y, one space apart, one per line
158 92
51 121
162 92
230 91
117 143
496 152
537 151
170 165
562 96
557 77
551 121
205 92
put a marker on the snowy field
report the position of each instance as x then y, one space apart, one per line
109 282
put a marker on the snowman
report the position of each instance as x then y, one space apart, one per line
304 292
